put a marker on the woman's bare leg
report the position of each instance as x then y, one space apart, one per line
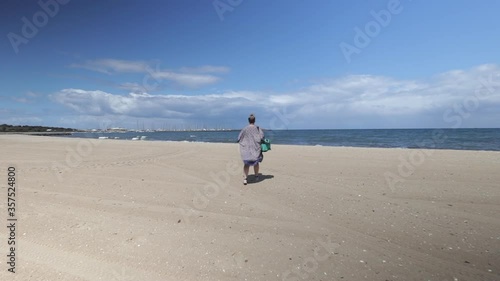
256 169
246 169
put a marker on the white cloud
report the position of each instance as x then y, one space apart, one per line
190 80
363 101
21 99
29 97
32 94
206 69
133 87
141 105
110 66
192 77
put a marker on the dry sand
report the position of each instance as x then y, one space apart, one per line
137 211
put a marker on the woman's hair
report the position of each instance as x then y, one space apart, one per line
251 119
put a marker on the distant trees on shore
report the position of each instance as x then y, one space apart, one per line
25 128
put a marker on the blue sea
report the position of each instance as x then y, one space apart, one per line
458 139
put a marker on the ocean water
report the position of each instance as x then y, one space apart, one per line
459 139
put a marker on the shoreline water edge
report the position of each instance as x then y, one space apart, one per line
454 139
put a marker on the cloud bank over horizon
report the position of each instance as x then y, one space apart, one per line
453 99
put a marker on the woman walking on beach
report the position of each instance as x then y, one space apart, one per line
250 151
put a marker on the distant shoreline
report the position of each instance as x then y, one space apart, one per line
447 139
38 133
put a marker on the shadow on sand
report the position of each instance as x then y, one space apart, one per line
252 179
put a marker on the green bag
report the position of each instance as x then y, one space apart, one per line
265 145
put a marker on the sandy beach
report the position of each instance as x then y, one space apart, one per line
149 210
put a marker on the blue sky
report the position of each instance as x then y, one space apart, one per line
94 64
